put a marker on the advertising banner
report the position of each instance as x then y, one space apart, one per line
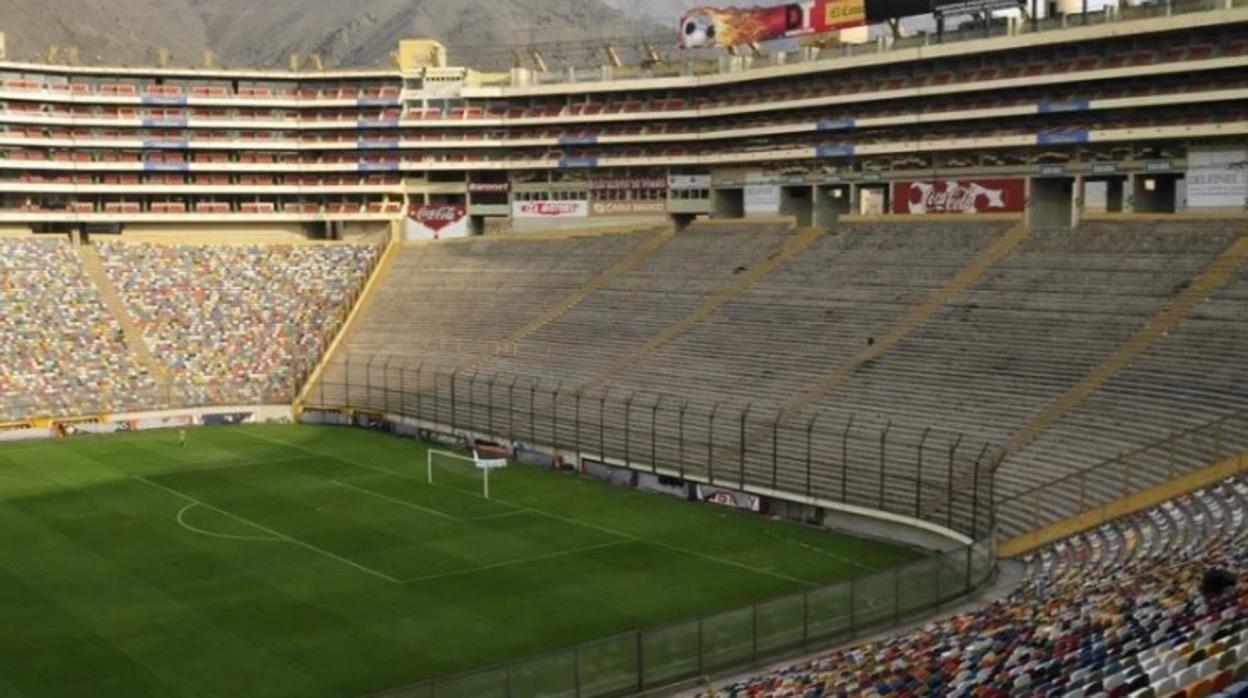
762 198
653 207
489 187
959 196
729 498
1217 178
708 27
435 222
550 209
662 485
627 183
620 477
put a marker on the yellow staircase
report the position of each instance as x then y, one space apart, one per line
794 245
94 267
624 264
968 275
1212 278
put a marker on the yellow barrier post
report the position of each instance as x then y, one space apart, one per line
1171 444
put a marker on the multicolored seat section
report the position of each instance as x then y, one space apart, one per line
223 324
1128 610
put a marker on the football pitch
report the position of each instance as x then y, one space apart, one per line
317 561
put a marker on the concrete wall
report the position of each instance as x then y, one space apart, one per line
8 230
689 206
831 202
224 232
872 200
1050 202
529 225
1154 193
728 203
798 201
356 230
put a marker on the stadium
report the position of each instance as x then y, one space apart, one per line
908 365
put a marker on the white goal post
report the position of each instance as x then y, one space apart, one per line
485 465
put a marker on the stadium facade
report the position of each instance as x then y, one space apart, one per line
1139 111
1057 343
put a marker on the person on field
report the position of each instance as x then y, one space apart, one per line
181 438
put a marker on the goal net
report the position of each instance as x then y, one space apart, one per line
461 472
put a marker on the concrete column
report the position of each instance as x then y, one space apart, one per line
1076 202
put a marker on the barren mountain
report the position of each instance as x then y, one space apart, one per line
356 33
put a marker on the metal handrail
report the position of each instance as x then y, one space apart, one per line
1104 464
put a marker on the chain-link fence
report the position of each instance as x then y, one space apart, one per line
937 476
928 474
664 655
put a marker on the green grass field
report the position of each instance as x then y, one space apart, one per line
304 561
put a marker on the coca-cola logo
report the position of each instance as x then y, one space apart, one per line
960 197
436 217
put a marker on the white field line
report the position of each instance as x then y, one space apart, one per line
820 551
500 515
346 482
522 561
213 534
400 502
557 517
266 529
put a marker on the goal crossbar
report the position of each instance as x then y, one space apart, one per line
484 465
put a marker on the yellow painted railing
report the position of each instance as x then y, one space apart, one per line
1133 481
1124 506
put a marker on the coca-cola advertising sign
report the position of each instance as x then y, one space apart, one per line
959 196
550 209
436 221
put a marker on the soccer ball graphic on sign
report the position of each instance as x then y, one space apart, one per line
698 30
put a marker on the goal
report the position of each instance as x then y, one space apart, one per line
455 470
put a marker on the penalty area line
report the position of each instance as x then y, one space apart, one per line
557 517
276 534
213 534
427 510
395 500
522 561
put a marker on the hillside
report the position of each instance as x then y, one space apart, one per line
246 33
